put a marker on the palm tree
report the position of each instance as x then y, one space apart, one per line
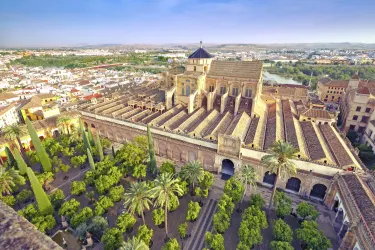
165 189
248 177
13 132
279 162
192 172
8 179
137 199
64 122
134 244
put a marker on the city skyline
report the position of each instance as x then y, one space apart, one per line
38 23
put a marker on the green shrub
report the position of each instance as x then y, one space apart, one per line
306 210
112 239
281 231
167 167
116 193
44 223
281 245
8 199
158 216
125 221
69 208
144 233
29 212
57 198
182 230
82 216
193 211
102 205
77 187
172 244
24 195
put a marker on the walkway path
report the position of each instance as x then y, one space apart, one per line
204 224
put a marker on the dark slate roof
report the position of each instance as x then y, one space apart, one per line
200 53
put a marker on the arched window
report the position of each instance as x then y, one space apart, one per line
248 93
223 90
195 68
187 89
235 91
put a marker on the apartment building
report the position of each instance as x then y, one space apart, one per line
9 115
331 91
40 107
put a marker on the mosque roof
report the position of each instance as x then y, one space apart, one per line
200 53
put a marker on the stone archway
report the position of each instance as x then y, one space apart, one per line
269 178
318 191
56 133
162 149
293 184
176 154
192 156
85 125
227 169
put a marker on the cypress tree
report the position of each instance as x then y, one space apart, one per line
99 147
81 127
90 137
22 166
44 204
113 152
91 160
151 151
11 160
86 142
40 151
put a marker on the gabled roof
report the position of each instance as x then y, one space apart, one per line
242 69
316 113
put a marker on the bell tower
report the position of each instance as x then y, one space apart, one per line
199 61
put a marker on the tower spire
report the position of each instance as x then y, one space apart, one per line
201 43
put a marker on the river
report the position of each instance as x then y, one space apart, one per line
279 79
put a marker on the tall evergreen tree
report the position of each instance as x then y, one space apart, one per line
44 204
90 137
99 147
11 160
91 160
22 166
40 151
151 151
86 141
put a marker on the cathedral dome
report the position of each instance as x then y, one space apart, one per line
200 54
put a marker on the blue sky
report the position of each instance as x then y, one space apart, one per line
73 22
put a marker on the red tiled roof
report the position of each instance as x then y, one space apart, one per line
89 97
74 91
364 91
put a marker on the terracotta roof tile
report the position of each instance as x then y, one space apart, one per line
244 69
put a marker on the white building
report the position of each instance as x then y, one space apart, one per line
9 115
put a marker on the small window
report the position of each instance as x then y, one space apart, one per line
358 109
211 88
365 119
368 110
195 68
248 92
351 127
235 91
223 90
326 96
355 117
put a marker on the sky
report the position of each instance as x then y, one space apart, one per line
92 22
